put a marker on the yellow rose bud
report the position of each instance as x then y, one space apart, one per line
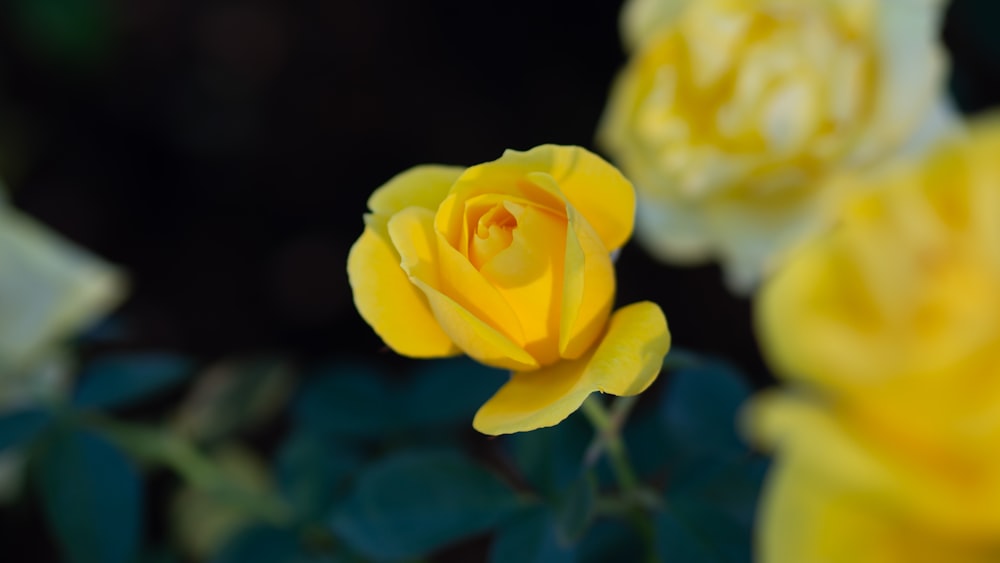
730 115
510 263
892 320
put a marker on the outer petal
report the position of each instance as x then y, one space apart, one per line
593 186
640 20
930 483
913 70
588 288
412 232
51 289
625 363
387 300
805 517
422 186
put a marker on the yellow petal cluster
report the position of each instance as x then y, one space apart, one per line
888 329
510 263
730 115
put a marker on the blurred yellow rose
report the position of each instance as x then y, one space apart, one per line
510 263
891 322
730 115
50 290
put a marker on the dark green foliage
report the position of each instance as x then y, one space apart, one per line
123 379
21 427
313 473
262 544
92 496
531 536
412 503
357 402
712 478
699 409
575 509
351 401
549 459
445 394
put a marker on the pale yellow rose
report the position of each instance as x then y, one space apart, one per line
731 115
50 290
510 263
891 322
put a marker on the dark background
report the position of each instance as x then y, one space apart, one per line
222 151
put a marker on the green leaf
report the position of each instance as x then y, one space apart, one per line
530 536
611 540
349 400
21 427
261 544
92 497
699 410
550 458
709 518
413 503
442 394
124 379
575 508
313 473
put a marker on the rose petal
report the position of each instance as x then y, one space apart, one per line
460 281
395 309
822 447
625 363
913 63
505 179
595 188
528 274
413 234
588 289
640 20
422 186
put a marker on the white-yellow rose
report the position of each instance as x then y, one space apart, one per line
731 115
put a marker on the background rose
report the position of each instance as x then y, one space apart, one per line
893 321
730 115
510 263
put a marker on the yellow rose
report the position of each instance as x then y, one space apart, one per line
836 494
50 290
892 321
730 115
510 263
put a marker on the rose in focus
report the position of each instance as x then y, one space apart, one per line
510 263
891 323
731 115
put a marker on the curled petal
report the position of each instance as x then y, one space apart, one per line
626 362
412 232
387 300
595 188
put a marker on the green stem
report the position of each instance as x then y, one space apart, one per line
609 440
608 425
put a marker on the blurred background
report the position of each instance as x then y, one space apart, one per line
222 152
